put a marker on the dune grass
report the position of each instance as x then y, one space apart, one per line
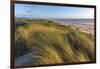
52 43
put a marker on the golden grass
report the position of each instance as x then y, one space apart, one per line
53 45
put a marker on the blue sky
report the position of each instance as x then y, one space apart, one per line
44 11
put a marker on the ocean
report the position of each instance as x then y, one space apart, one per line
75 21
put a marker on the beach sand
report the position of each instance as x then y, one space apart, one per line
82 27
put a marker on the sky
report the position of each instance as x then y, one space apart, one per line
53 12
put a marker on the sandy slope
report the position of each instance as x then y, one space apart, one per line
23 59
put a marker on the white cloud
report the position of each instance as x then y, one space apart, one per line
84 14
